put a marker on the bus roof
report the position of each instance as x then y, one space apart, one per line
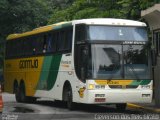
38 30
109 21
94 21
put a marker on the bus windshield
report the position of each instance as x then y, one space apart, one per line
119 62
117 33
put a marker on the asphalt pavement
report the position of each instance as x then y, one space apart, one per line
47 109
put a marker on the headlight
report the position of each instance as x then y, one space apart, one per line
91 86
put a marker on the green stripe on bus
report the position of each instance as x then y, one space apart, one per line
145 82
49 72
53 72
67 24
62 26
140 82
136 82
42 84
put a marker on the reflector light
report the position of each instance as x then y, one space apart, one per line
100 99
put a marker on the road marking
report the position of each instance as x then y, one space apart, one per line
143 107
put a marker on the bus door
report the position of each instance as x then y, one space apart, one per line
81 58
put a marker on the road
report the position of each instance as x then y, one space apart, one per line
45 109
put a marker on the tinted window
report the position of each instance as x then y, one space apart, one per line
117 33
80 33
65 40
56 41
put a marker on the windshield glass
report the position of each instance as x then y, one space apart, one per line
119 62
107 62
117 33
135 61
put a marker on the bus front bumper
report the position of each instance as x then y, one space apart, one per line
119 96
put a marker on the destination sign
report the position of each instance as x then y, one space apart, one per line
134 42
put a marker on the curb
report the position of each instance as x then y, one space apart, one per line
155 110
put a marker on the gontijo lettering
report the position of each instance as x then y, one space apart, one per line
23 64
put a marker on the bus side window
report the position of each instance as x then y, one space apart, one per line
54 41
65 40
80 33
34 45
69 40
19 47
14 48
39 44
27 46
48 42
45 44
30 45
8 49
61 40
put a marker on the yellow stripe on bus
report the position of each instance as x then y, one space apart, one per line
113 82
34 31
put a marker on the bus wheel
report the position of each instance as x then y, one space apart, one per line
16 91
121 106
31 99
70 103
22 92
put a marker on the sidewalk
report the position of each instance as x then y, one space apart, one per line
146 106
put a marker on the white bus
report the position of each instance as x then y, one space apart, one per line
91 61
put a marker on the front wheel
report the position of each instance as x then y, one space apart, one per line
70 103
121 106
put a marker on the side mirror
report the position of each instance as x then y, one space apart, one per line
153 57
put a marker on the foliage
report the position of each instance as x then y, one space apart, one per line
85 9
80 9
23 15
19 16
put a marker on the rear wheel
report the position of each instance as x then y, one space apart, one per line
31 99
16 91
121 106
22 93
23 97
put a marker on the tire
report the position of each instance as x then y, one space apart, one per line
22 93
70 103
121 107
17 94
31 99
57 102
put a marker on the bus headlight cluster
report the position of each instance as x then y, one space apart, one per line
145 86
99 86
92 86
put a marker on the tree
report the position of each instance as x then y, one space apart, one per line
86 9
21 15
81 9
131 9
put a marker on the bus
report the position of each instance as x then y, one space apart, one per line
89 61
